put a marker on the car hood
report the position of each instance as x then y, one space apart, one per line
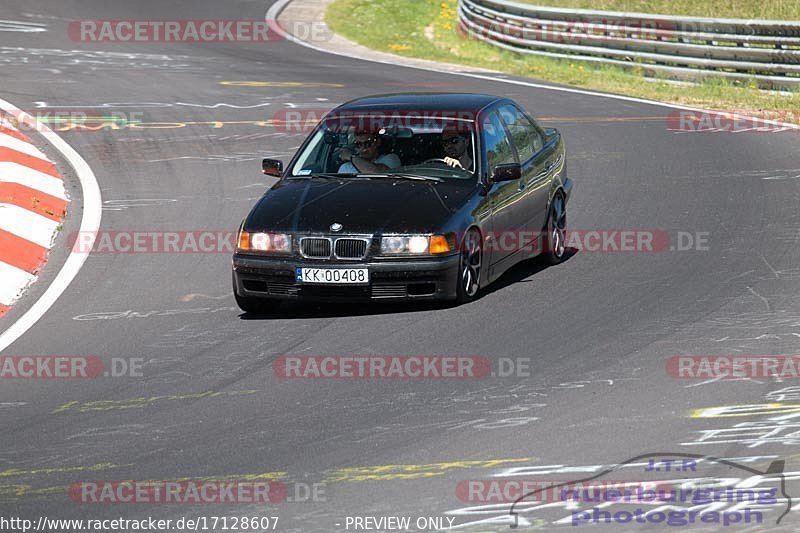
359 205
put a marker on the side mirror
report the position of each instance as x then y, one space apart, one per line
509 172
272 167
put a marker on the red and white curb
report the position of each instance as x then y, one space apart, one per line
35 176
33 203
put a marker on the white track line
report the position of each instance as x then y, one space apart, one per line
275 9
27 224
16 173
7 141
14 281
90 222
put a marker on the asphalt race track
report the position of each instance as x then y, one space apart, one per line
597 330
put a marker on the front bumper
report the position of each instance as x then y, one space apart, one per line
390 279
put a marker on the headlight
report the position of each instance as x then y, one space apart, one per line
264 242
416 244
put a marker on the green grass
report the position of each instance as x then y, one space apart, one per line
427 29
747 9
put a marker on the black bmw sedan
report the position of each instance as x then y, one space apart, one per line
405 197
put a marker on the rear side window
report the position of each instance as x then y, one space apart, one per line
526 136
495 139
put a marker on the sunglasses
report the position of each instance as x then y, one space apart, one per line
453 140
368 142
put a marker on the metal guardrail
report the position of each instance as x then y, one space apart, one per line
679 47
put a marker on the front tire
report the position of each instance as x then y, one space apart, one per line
469 269
556 233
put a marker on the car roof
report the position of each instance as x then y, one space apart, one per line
421 102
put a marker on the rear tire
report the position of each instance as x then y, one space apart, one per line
469 267
556 232
256 306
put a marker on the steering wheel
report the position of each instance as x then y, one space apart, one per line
337 155
436 160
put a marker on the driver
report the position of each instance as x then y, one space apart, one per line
367 156
456 150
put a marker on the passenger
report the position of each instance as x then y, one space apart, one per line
367 157
456 150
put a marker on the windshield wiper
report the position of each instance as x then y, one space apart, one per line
325 175
415 177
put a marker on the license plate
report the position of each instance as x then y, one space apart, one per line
350 276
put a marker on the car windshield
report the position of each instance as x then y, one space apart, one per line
390 145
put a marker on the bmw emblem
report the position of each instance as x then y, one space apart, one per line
336 227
